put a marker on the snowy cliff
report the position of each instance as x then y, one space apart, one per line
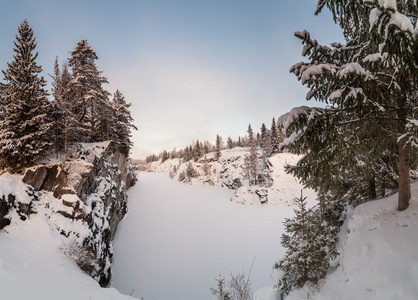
275 186
83 200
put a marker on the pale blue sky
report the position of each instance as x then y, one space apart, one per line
192 69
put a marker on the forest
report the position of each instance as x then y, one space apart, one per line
81 110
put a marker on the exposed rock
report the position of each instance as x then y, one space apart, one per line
91 188
35 176
4 210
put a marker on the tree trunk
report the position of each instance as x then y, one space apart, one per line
372 188
404 182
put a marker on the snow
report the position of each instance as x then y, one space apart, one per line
378 257
352 67
402 22
9 184
31 263
177 238
288 118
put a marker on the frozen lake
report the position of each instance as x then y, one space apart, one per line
177 238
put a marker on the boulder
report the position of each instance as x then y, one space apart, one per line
35 176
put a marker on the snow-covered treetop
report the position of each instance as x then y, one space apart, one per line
286 120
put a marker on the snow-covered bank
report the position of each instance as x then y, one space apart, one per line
229 172
379 258
177 238
31 263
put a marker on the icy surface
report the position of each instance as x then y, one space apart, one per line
176 239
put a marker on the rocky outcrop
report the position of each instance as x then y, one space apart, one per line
90 190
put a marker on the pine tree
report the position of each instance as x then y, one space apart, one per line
197 151
274 136
67 128
369 84
91 99
218 147
230 143
310 243
57 108
220 292
121 124
263 135
253 159
26 126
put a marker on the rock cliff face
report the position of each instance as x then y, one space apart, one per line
84 200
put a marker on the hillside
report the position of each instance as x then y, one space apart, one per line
229 172
62 221
378 257
32 262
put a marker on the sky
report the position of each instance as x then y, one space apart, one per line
191 69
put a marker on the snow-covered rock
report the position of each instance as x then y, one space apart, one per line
84 200
277 186
31 263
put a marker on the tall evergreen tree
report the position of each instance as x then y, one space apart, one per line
230 143
25 129
67 128
57 115
263 135
122 122
274 136
253 159
369 84
218 147
91 99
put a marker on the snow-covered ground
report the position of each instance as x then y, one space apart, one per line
31 263
283 187
177 238
379 258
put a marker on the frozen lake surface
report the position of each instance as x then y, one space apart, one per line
177 238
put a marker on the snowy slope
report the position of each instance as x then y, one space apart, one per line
31 263
379 257
230 169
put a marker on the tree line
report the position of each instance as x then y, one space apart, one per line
32 126
267 139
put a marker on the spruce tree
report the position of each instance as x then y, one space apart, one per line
230 143
275 141
26 126
121 123
369 85
252 159
218 147
91 99
310 243
57 108
263 135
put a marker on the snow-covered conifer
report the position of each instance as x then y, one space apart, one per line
121 122
369 84
252 159
218 147
26 126
310 244
91 99
230 143
275 141
221 292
